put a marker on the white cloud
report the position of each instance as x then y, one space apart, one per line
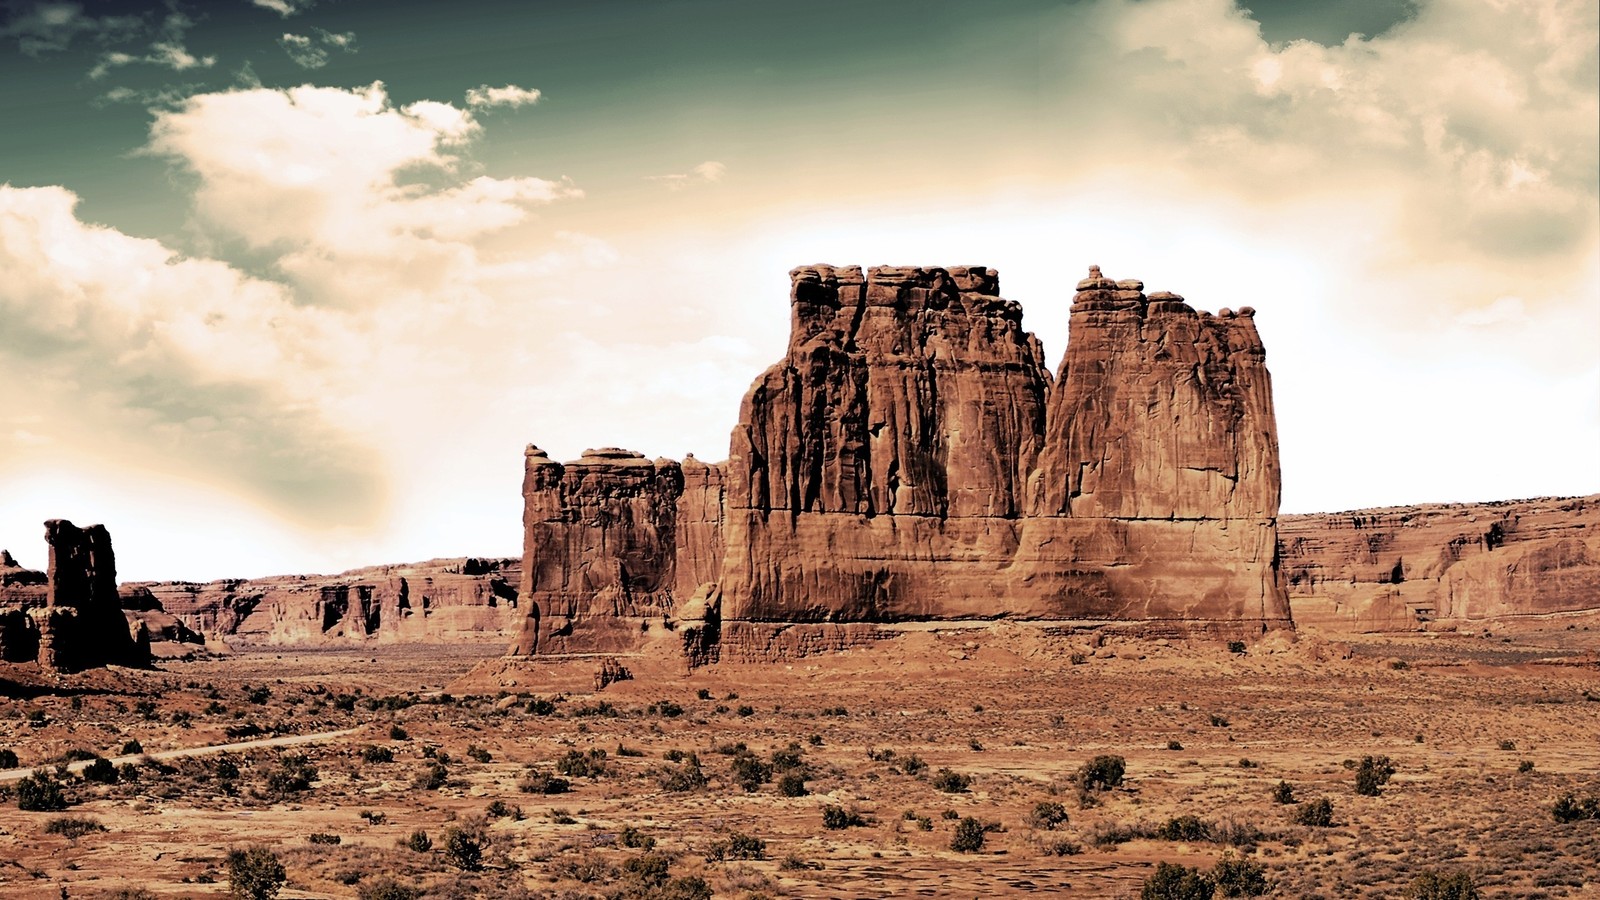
311 52
285 8
167 51
708 171
47 27
484 96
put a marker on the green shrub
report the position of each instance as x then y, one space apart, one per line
1315 813
968 836
737 846
499 809
952 782
377 755
1569 808
749 772
478 754
1174 882
73 827
40 792
1047 816
1373 774
1236 877
539 706
418 841
101 771
1184 828
255 874
1283 793
293 776
396 733
1431 885
577 764
1102 773
835 818
686 777
324 838
8 759
131 747
792 784
464 846
638 840
433 777
541 783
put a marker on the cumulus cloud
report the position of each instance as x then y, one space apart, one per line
153 357
484 96
708 171
1478 120
285 8
312 51
46 27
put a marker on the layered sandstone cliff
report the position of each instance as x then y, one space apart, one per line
438 601
1445 565
911 457
68 617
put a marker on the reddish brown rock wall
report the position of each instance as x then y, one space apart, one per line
1444 565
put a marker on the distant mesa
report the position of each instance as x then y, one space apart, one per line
912 458
69 617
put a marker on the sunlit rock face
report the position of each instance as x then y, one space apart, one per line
1508 563
911 457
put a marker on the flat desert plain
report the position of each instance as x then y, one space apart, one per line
854 774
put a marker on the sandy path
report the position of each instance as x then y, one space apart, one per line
285 741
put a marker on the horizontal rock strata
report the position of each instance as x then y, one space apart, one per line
1444 565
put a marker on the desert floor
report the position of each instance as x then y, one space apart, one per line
1484 734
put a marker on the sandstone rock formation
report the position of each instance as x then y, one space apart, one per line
438 601
1445 565
911 457
70 618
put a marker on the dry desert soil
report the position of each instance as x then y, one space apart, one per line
845 775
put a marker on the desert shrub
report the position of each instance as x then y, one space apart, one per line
542 783
835 818
417 842
1314 813
377 755
792 784
1107 834
396 733
1246 762
432 777
464 846
8 758
1102 773
324 838
1508 745
1174 882
1236 646
1060 847
499 809
293 776
258 695
478 754
689 887
1174 745
789 758
1525 766
255 874
78 754
686 777
73 827
910 765
1569 808
1431 885
1184 828
1218 721
539 706
131 747
737 845
1284 793
629 752
1047 816
666 709
588 868
952 782
969 836
40 792
1373 774
636 839
387 889
749 772
577 764
1236 877
375 818
101 771
128 894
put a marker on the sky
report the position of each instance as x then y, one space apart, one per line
287 285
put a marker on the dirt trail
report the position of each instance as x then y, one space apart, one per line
285 741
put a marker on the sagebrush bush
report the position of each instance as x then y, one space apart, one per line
73 827
835 818
1237 877
952 782
255 874
464 845
40 792
1102 773
1047 816
1171 881
737 845
417 842
969 836
1315 813
1373 774
1431 885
